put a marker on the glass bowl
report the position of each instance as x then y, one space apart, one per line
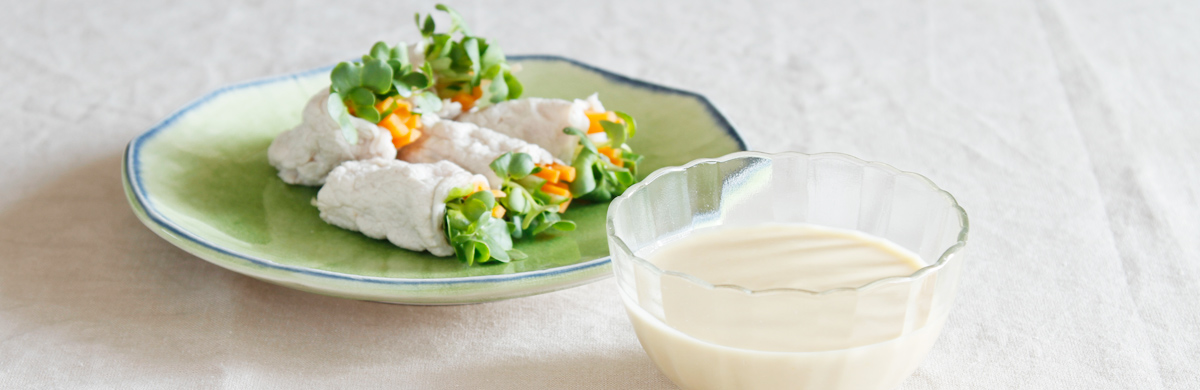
867 337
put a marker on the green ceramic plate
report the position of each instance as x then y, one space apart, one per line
200 179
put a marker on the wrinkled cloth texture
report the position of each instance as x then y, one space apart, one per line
1068 129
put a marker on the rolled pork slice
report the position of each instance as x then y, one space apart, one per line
393 199
539 121
305 154
470 146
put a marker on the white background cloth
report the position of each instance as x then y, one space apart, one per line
1068 129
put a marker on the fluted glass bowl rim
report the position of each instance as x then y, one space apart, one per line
948 255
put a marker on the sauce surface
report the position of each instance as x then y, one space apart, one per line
786 256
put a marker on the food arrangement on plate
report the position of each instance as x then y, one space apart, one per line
431 147
236 177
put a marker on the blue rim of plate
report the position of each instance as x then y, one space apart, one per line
133 178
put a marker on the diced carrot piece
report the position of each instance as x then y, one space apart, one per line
383 105
614 155
499 194
555 189
395 125
477 92
467 101
480 187
403 108
549 174
498 211
406 139
413 122
562 207
596 117
567 173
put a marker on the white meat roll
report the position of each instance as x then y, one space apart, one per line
306 153
539 121
470 146
393 199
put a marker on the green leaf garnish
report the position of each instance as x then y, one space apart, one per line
337 110
515 89
376 75
630 123
616 133
492 57
498 89
455 62
427 30
477 236
585 180
462 62
456 20
471 47
427 102
596 178
530 211
583 139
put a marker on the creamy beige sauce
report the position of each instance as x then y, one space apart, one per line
726 339
786 256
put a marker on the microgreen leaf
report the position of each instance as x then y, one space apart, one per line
337 110
495 233
381 51
400 53
522 165
493 56
471 47
427 30
376 75
488 199
476 236
583 140
428 102
513 166
368 113
457 193
345 76
402 89
457 220
630 123
498 89
517 200
616 133
514 227
461 62
515 89
465 252
491 72
474 209
416 80
500 164
585 181
632 161
360 97
440 48
456 20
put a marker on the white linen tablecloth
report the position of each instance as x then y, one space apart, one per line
1068 129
